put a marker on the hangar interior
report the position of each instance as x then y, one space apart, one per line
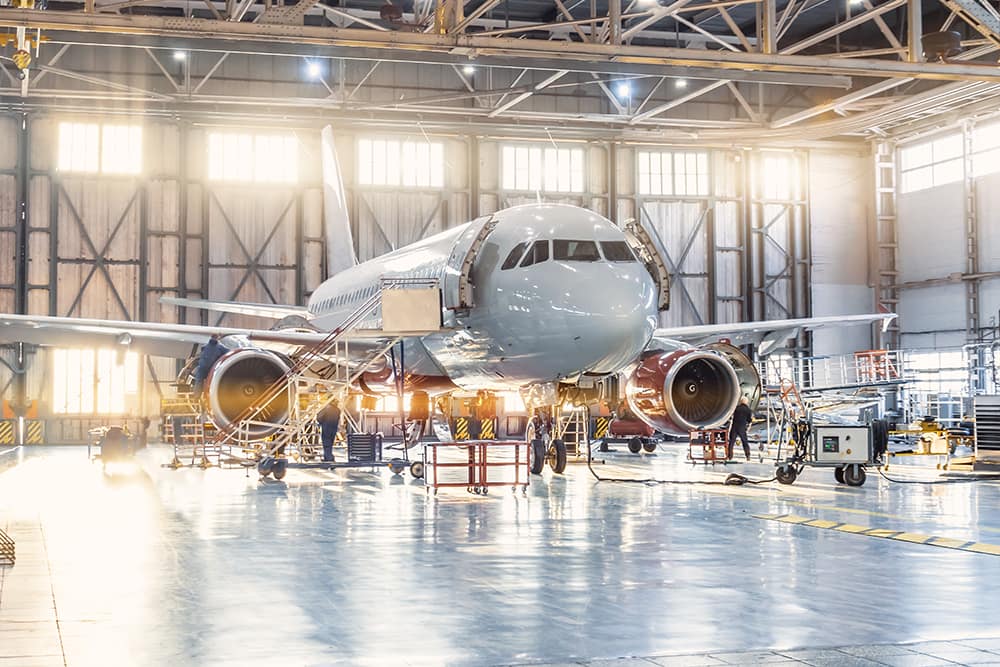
795 158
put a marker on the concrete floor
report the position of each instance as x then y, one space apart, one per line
193 567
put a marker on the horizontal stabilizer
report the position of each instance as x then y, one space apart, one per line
270 310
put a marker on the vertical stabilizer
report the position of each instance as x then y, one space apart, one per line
336 222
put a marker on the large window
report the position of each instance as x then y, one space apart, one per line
259 158
92 148
542 169
673 173
411 164
930 163
986 148
93 381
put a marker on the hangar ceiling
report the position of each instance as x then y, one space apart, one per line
682 71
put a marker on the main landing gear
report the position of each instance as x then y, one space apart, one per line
544 449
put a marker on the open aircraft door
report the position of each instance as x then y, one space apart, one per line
457 284
646 244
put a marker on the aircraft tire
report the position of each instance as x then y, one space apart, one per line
537 456
558 457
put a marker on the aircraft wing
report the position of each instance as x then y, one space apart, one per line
269 310
164 340
769 334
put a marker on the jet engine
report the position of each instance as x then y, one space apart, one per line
682 389
239 381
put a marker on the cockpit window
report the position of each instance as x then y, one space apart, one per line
617 251
575 251
539 252
514 257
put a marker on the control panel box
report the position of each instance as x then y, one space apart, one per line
842 444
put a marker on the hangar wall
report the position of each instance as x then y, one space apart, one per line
110 246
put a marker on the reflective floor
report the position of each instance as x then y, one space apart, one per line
193 567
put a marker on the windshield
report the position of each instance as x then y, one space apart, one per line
575 251
617 251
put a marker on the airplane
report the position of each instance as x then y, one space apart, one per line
559 298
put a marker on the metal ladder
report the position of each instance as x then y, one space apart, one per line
784 406
335 380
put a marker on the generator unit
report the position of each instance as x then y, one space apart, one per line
845 448
840 445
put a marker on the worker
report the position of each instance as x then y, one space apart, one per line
329 421
210 353
742 416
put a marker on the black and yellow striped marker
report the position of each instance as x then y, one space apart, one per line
601 425
6 433
899 535
34 434
487 430
461 428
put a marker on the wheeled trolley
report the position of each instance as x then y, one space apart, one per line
477 465
848 449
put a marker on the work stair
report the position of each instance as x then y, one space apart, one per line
318 375
784 407
573 429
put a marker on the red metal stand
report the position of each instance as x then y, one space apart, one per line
709 446
508 460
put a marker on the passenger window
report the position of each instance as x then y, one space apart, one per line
514 257
575 251
539 252
617 251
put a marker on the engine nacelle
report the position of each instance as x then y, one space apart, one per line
679 390
239 380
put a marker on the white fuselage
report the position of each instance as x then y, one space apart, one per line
587 308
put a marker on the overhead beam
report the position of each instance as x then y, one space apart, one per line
672 104
525 95
572 56
980 15
843 26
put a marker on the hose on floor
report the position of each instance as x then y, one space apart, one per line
951 480
732 479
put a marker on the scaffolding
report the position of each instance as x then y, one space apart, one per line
317 376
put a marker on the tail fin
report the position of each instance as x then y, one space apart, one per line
337 223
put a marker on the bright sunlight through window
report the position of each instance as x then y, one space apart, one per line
673 173
542 169
411 164
930 163
258 158
93 381
90 147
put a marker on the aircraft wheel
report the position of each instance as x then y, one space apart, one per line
537 456
279 468
417 469
786 474
557 456
264 466
838 473
854 475
635 445
649 446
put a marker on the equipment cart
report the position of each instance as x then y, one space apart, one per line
848 449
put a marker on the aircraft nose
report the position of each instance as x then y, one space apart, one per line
618 319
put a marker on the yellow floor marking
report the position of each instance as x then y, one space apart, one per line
901 536
947 542
881 532
851 528
983 548
881 515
